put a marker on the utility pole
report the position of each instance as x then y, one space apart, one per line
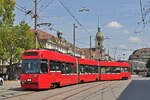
74 38
35 25
90 47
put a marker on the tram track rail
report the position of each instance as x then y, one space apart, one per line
16 94
102 90
3 91
84 90
73 89
79 89
70 96
13 95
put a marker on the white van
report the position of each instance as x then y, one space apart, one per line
1 81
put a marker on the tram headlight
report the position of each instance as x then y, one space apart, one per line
29 80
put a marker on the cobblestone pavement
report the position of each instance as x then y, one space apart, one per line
101 90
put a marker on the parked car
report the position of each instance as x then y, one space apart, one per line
1 81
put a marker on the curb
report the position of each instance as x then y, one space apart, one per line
6 82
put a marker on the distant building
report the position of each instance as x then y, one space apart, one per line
140 55
58 43
139 58
99 51
99 41
137 66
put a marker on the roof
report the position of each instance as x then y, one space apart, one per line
46 36
95 53
52 55
99 34
87 61
142 54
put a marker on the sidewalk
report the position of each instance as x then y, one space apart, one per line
11 81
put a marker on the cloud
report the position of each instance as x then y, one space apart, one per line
122 46
125 31
114 24
85 30
134 39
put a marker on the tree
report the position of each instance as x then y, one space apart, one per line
7 18
13 41
4 54
148 64
7 15
24 41
18 39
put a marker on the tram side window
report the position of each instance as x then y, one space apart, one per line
55 65
92 69
64 67
52 65
68 68
122 69
44 66
108 70
96 69
87 69
115 69
126 69
103 71
73 68
58 66
81 69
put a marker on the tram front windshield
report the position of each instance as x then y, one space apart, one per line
34 66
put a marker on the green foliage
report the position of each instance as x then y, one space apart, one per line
7 16
26 37
148 64
15 39
4 54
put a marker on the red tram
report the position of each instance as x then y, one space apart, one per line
43 69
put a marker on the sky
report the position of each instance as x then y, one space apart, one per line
121 22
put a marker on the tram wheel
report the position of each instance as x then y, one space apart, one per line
82 81
53 85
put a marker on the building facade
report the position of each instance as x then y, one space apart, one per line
139 58
49 41
140 55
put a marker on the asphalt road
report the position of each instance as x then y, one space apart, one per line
138 89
